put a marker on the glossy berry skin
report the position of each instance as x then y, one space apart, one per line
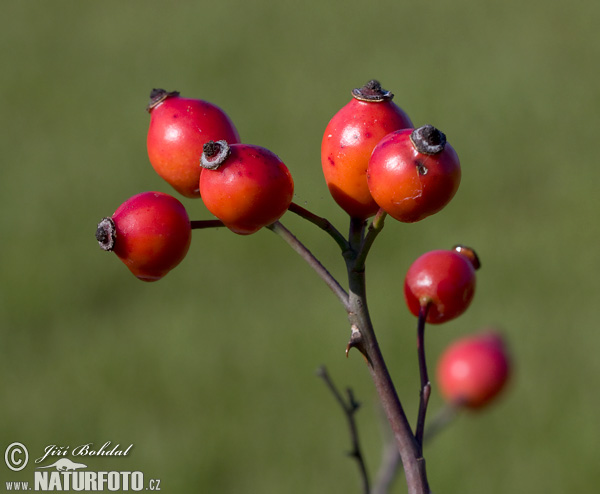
150 233
347 144
251 188
408 184
179 127
473 370
442 279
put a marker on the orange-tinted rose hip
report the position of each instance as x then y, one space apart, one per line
348 141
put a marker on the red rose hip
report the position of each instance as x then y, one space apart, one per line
443 280
247 187
179 127
413 174
473 370
348 141
150 233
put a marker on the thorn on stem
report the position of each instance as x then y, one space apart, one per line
356 341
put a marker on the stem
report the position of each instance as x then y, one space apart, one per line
441 420
408 447
388 470
322 223
201 224
374 229
349 409
363 335
312 261
425 384
390 463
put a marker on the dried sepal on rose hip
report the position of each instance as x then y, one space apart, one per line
473 370
443 281
413 174
179 127
247 187
349 140
150 233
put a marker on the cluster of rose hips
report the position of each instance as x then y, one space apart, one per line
194 146
374 162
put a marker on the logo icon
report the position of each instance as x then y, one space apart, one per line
65 465
16 457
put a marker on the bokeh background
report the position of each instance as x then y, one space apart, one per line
210 372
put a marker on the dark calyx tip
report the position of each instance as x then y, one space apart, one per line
428 140
469 253
106 234
214 154
373 92
157 96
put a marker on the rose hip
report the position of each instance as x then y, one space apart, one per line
247 187
348 141
179 127
473 370
413 174
443 280
150 233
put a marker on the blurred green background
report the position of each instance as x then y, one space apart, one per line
210 372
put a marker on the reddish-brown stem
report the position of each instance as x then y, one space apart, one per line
322 223
425 384
410 452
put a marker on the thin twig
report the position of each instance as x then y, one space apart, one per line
425 384
350 408
323 223
312 261
441 420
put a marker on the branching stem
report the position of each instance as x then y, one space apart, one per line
408 447
355 252
374 229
